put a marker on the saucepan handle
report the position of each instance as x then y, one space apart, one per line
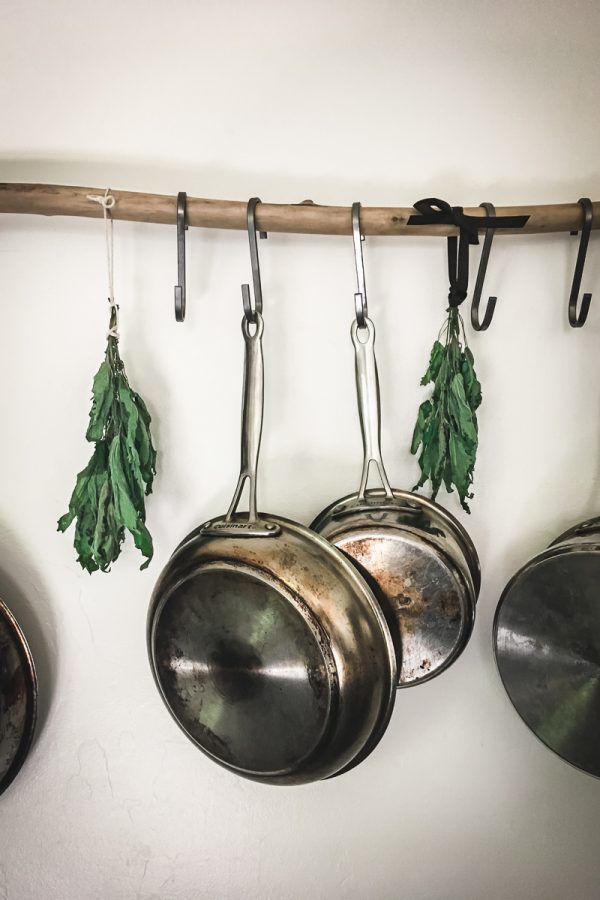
252 415
367 387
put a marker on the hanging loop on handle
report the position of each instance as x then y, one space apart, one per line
360 297
477 323
369 408
182 227
251 311
577 319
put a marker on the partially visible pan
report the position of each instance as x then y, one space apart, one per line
18 697
418 559
547 645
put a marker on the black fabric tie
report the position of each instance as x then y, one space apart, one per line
437 212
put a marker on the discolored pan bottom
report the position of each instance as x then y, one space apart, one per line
547 644
421 595
244 673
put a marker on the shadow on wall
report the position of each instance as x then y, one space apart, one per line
286 186
26 598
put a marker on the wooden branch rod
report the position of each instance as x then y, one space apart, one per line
301 218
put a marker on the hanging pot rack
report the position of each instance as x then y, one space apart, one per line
306 217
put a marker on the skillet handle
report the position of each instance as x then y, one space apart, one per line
369 410
252 416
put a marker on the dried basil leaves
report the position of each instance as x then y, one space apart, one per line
109 493
446 427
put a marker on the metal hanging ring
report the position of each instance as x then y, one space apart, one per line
477 323
577 319
360 297
250 310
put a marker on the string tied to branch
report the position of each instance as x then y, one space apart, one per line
107 201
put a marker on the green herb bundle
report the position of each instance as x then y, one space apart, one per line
108 498
446 427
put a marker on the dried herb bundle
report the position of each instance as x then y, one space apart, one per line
446 427
109 493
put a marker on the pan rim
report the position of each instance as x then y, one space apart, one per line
459 532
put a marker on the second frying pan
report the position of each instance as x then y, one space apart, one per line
418 559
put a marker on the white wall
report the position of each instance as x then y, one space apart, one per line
383 102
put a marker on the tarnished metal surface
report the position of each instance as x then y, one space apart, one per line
419 561
269 649
18 697
547 646
423 570
272 653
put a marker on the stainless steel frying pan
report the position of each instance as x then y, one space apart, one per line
18 697
267 646
418 559
547 645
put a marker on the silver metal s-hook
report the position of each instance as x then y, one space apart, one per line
249 310
360 297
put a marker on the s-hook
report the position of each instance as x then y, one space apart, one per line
577 320
477 323
249 310
360 297
181 230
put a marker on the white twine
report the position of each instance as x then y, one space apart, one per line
107 202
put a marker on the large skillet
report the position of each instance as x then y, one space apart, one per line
18 697
268 648
418 559
547 645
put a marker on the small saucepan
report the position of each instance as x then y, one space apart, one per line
269 649
418 559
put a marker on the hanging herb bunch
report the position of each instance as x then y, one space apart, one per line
108 498
446 427
446 433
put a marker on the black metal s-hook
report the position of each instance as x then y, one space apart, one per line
433 211
477 323
249 310
181 230
577 320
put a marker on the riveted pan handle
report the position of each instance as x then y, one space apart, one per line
367 387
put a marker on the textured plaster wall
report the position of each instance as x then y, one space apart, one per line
383 102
